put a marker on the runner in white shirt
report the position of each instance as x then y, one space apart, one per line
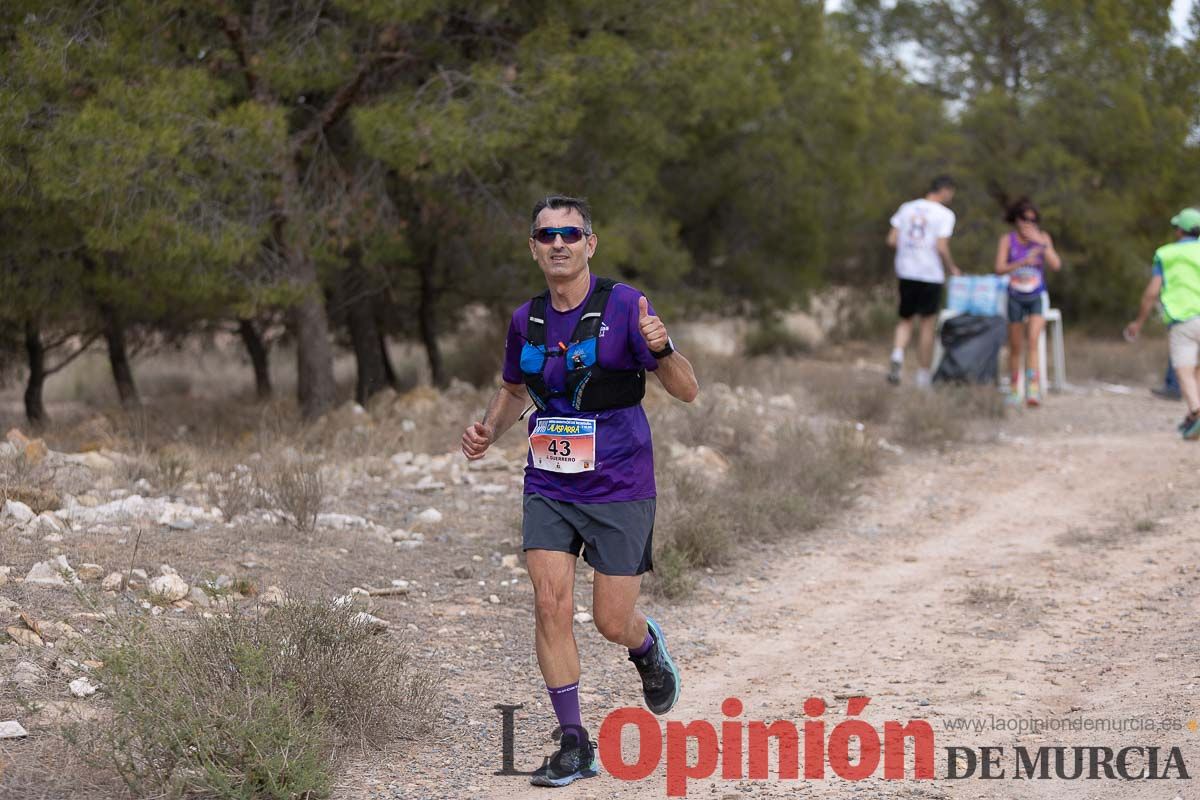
921 231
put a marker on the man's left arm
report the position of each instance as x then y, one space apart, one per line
674 370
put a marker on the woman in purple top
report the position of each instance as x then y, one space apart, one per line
1023 254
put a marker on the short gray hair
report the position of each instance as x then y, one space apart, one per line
557 201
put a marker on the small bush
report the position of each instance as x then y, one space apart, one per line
672 572
476 358
930 418
253 708
37 498
854 397
990 597
233 490
771 337
297 489
789 485
171 469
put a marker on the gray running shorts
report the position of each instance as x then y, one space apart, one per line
616 538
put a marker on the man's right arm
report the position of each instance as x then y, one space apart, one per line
893 237
504 409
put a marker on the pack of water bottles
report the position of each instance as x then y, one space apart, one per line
979 295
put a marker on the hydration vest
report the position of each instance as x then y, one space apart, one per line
590 387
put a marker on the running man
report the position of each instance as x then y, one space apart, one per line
582 349
920 234
1023 254
1175 282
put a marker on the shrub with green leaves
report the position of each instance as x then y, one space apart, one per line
254 708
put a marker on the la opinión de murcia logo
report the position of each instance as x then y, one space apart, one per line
851 750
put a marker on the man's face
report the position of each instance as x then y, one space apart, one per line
561 261
947 196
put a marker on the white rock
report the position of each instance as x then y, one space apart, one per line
18 511
583 617
140 574
82 687
11 729
182 524
143 485
48 522
340 521
407 425
112 583
56 572
27 673
4 573
168 588
167 569
494 599
509 561
402 458
199 597
430 516
374 624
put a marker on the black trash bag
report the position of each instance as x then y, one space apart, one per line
972 346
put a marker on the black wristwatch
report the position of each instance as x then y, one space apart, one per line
666 351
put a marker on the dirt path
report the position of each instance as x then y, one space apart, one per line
1052 574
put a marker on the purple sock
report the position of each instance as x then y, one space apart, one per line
565 700
644 647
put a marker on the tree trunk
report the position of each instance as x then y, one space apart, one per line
258 358
364 335
388 370
35 409
118 357
427 318
316 388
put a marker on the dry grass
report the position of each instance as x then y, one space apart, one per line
252 707
295 487
786 486
990 597
934 418
855 396
1115 361
233 488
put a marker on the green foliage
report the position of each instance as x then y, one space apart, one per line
253 708
180 162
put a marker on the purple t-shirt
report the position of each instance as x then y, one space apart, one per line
624 454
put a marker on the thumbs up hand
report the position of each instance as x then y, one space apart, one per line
652 328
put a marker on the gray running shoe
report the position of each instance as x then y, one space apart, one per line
893 375
660 677
574 760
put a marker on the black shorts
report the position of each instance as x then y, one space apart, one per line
619 537
919 297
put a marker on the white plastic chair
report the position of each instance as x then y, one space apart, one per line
1054 325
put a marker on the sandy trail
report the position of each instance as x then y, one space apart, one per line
1049 575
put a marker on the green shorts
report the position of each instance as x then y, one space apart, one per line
616 538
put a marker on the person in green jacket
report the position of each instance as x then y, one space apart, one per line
1175 282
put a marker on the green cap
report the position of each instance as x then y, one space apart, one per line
1187 220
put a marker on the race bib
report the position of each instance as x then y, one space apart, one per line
561 444
1026 279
